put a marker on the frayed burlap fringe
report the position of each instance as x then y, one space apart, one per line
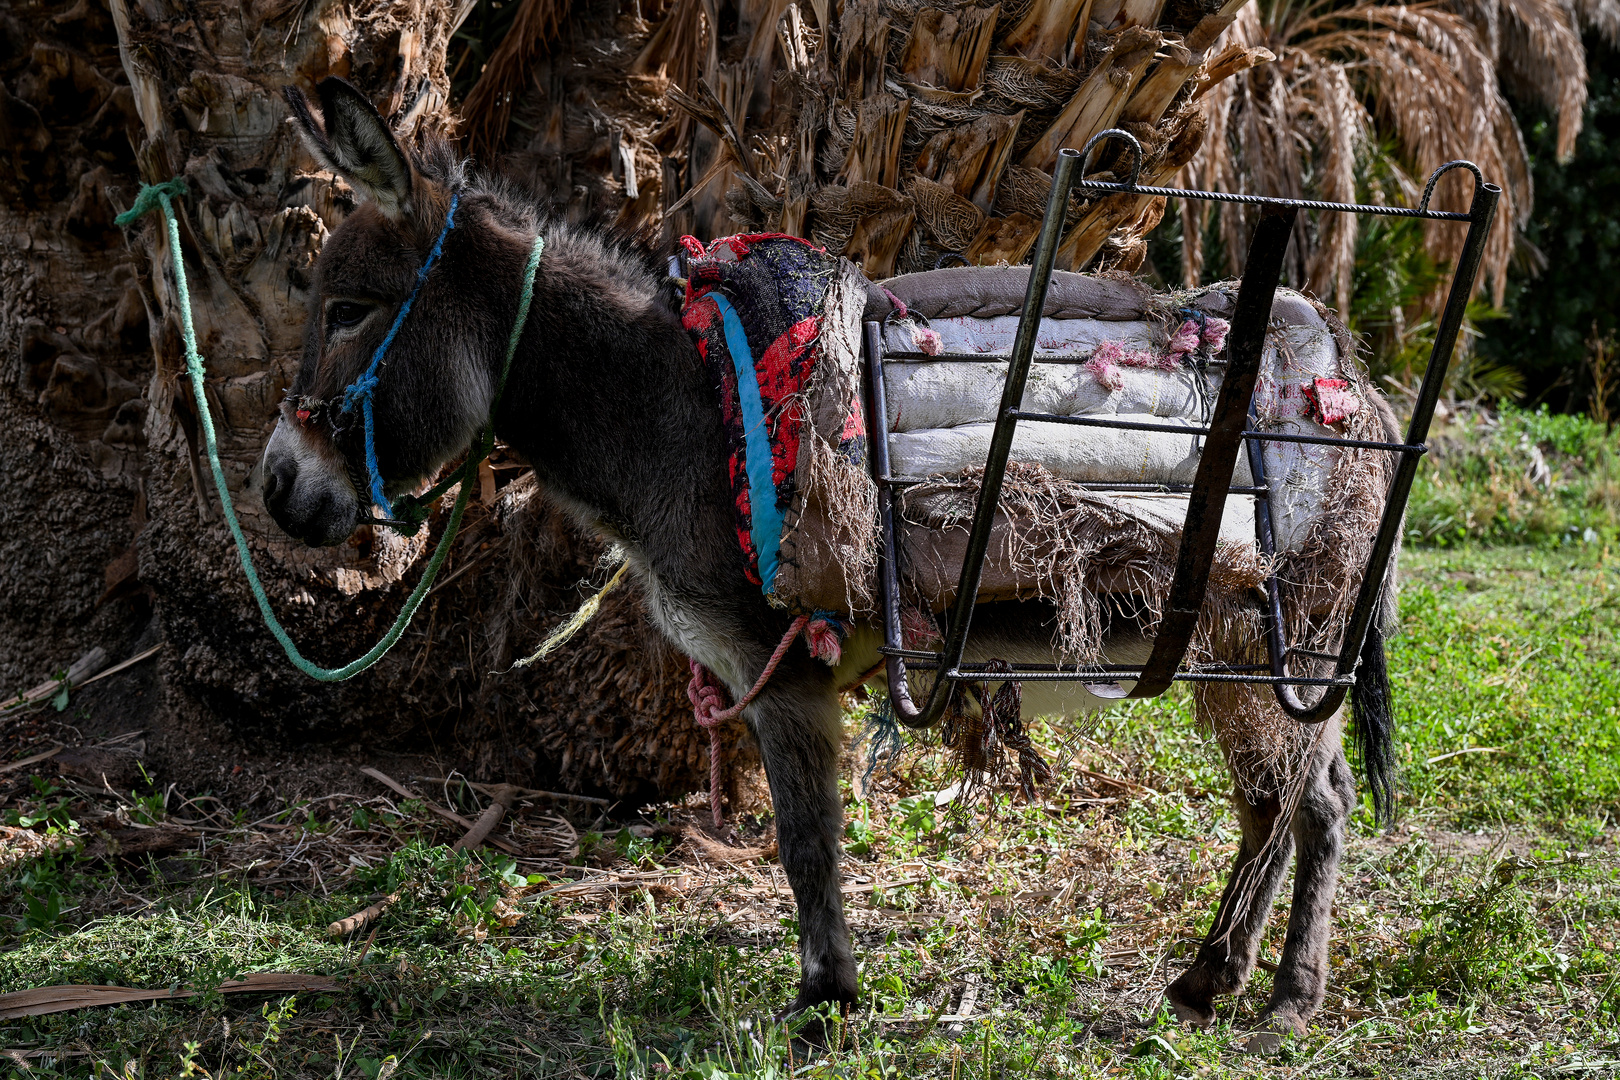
1057 541
984 728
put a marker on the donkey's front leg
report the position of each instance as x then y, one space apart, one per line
798 723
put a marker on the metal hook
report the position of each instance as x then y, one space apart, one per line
1434 178
1114 133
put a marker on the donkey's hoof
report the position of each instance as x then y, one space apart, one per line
1189 1004
1273 1030
1201 1017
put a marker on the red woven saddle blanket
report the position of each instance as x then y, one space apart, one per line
777 322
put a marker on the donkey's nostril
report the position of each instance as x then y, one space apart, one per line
278 485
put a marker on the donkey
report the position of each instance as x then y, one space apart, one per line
608 401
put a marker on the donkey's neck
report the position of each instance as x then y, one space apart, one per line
609 401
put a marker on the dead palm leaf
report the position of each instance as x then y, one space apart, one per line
488 107
1425 77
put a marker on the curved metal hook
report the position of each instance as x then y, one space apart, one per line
1434 178
1111 133
905 708
1324 706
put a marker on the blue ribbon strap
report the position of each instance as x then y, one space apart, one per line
765 516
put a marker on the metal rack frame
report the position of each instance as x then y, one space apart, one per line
1232 426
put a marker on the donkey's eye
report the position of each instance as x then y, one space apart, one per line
345 314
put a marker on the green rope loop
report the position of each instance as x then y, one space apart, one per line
155 195
147 200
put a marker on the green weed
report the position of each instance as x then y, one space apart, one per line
1517 476
1477 940
1474 938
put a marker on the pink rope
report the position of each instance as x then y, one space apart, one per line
709 709
825 639
899 304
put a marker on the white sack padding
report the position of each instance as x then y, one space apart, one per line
1089 455
1060 337
941 412
1296 473
950 393
1169 511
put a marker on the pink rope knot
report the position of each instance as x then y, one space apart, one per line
708 697
708 700
899 304
709 709
927 340
1184 342
1104 371
825 634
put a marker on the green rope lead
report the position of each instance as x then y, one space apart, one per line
160 194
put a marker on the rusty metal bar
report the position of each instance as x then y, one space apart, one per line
1202 530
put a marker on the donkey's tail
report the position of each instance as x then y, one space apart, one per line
1374 713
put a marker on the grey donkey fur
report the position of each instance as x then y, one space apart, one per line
609 402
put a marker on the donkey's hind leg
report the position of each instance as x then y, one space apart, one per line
799 726
1318 831
1226 958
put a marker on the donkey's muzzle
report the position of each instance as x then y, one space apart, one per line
309 500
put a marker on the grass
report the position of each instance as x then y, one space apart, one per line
1516 476
1477 939
1507 663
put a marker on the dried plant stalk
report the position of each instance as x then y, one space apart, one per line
489 104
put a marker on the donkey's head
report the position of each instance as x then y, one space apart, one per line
435 382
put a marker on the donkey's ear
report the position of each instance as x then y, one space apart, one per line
351 139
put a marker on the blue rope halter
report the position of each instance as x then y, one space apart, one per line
360 391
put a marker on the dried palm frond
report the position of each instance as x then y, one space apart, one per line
910 131
1536 45
790 113
489 105
1426 77
952 109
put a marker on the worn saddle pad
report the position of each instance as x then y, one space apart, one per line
1108 348
778 322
